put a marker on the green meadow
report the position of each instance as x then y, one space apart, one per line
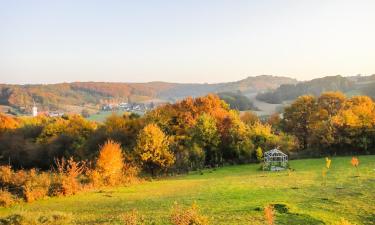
231 195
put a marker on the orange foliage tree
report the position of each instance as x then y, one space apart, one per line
7 122
110 163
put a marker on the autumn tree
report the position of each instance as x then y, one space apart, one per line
178 120
297 118
206 135
323 133
259 154
355 122
264 137
196 156
110 162
249 118
66 137
7 122
274 120
152 149
239 147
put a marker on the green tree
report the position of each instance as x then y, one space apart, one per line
206 135
240 146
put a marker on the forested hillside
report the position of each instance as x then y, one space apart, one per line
314 87
58 96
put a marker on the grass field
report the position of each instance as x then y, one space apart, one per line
103 115
232 195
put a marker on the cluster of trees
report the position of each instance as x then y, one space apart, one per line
190 134
237 101
332 123
194 133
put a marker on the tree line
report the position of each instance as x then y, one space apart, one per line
194 133
332 123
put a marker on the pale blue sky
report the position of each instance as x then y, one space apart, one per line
183 41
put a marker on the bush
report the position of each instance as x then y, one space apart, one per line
132 218
6 198
5 174
30 185
130 174
94 177
36 186
65 181
187 216
30 219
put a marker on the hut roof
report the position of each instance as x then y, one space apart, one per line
275 152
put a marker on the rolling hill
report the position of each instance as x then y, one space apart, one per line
313 87
64 95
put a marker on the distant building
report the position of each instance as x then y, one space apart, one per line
35 111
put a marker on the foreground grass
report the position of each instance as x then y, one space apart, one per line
232 195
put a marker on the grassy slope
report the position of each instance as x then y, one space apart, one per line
102 115
231 195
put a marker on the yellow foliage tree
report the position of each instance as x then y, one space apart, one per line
152 148
356 122
110 163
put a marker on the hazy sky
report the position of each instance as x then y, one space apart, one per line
183 41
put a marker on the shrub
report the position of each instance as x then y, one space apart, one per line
25 218
36 185
65 181
187 216
132 218
269 214
110 163
30 185
5 174
130 173
6 198
94 177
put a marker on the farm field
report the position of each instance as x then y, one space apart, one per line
102 115
231 195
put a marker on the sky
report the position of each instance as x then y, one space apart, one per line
185 41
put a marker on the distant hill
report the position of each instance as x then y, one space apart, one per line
313 87
64 95
245 86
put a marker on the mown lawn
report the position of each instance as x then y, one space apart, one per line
232 195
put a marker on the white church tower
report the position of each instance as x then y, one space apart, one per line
35 110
